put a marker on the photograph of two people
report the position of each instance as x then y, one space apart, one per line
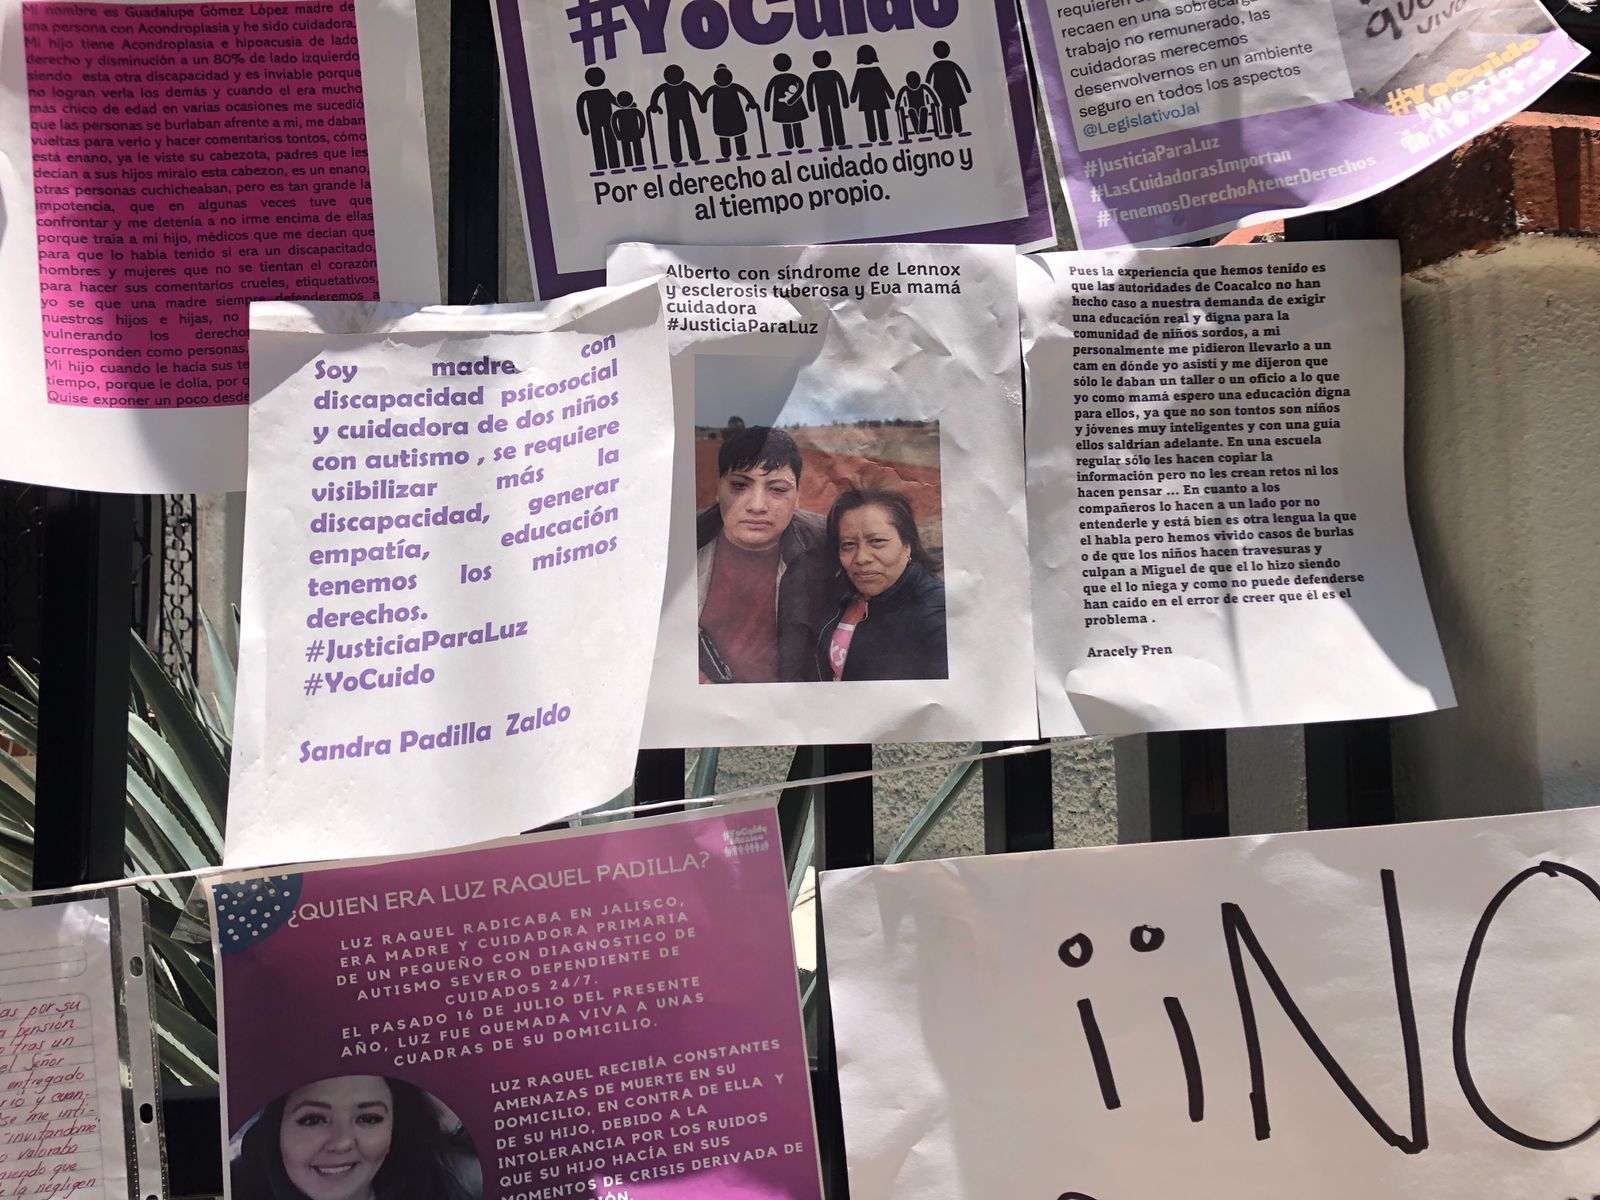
819 553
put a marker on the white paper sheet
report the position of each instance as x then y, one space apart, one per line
891 367
454 552
1447 972
61 1116
160 166
1217 489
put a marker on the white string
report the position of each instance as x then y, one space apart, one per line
744 793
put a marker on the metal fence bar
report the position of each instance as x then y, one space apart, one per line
843 839
473 244
1188 784
1349 771
658 775
1018 800
80 810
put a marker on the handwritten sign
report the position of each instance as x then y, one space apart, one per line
60 1090
1375 1012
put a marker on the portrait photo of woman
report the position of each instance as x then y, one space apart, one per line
887 618
356 1137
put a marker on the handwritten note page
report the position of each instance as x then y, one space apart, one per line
61 1126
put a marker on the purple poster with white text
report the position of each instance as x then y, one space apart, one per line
1175 120
767 122
607 1013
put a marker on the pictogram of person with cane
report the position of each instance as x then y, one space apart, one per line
676 97
729 102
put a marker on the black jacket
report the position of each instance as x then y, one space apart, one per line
902 635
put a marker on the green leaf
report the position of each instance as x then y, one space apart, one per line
16 806
183 830
15 700
704 782
188 1048
16 869
937 806
184 964
174 773
19 730
802 859
29 681
222 669
144 860
21 772
205 768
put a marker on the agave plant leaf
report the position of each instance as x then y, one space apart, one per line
185 965
186 737
222 670
29 681
193 845
19 730
941 802
146 862
704 782
24 776
189 1048
794 803
802 861
26 708
16 865
17 808
166 761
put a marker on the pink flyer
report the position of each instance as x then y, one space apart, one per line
605 1012
168 165
224 160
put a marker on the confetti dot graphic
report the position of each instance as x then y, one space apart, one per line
252 909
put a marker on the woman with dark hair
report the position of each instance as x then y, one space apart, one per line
887 617
353 1137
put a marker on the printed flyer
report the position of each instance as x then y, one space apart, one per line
849 552
453 563
1174 122
728 122
165 165
608 1013
1389 1011
1217 489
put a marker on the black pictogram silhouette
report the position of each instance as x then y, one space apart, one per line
785 101
917 108
594 118
676 97
873 94
826 95
628 124
729 102
951 86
